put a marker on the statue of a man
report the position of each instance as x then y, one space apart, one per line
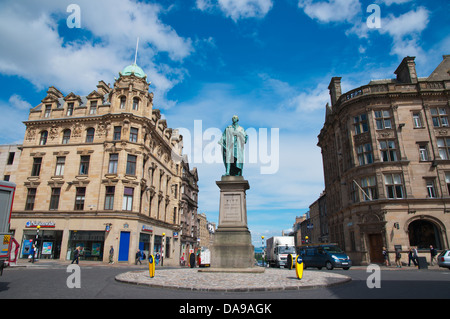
232 142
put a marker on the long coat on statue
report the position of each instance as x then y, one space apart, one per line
233 140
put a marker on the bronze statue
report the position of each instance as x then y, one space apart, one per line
233 141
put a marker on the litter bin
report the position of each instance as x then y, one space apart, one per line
422 262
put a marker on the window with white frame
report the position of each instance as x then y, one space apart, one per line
128 198
423 152
60 163
417 120
431 191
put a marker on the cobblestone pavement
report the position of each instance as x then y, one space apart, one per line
271 279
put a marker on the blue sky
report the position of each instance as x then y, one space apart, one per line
268 61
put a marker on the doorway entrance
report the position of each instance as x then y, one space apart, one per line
124 246
423 233
376 248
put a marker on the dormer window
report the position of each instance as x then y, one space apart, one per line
70 109
48 110
93 108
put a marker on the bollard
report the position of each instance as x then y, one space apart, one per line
299 267
192 260
151 266
290 262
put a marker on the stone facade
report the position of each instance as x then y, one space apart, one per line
98 171
9 161
189 199
386 159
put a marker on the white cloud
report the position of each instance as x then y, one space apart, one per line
390 2
237 9
405 31
410 23
332 10
37 51
18 102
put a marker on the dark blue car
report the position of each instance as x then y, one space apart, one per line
325 255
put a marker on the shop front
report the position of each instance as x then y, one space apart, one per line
90 244
47 239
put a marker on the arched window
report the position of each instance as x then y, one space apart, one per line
423 233
135 103
90 135
43 139
123 101
66 136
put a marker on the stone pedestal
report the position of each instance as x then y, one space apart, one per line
232 248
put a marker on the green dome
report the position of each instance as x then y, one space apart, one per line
133 69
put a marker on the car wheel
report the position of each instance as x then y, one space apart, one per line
319 268
329 265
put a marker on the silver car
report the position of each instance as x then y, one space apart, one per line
444 259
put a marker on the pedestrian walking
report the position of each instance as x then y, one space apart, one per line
398 257
157 257
411 257
76 255
32 250
433 253
111 255
137 257
415 256
386 256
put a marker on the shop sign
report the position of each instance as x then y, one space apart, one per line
34 224
147 228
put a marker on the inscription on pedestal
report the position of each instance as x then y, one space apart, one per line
232 208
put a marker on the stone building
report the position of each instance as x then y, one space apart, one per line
206 231
9 161
98 171
386 160
189 206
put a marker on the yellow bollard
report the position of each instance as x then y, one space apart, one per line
151 266
299 267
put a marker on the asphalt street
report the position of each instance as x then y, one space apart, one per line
51 282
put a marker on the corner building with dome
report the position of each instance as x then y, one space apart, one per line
98 171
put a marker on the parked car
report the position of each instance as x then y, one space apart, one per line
325 255
444 259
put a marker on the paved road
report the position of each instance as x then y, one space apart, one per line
50 282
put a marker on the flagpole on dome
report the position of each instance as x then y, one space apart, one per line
135 55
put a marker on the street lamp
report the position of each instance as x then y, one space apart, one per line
262 253
35 242
162 249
